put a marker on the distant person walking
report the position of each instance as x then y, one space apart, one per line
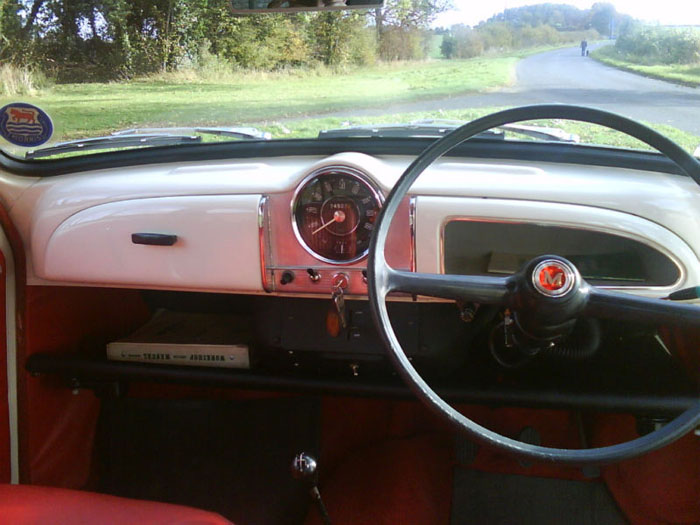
584 48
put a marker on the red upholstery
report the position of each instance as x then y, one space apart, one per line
34 505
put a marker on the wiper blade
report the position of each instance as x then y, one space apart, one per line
248 133
544 133
146 137
439 128
111 142
421 129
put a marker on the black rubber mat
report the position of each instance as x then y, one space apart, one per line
485 498
230 457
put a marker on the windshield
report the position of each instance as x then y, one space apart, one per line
78 78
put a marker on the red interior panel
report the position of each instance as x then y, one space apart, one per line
60 425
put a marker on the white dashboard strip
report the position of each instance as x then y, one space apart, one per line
11 345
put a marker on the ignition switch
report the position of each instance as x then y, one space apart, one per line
340 282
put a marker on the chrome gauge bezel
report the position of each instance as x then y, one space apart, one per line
347 171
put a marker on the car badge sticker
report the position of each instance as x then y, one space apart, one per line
25 125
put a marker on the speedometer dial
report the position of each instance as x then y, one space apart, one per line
334 213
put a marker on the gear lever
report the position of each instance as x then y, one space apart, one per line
304 468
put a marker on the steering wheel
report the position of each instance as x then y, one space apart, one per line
546 296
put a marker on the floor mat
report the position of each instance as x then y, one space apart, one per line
230 457
486 498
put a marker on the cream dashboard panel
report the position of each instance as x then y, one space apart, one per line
73 225
216 244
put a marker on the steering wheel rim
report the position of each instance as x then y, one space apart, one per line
382 279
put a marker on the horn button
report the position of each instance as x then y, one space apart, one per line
553 278
551 294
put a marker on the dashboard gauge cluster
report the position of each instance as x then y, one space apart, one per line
333 214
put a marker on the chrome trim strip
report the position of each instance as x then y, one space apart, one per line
262 238
344 170
682 274
304 267
412 228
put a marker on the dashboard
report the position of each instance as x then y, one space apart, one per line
300 225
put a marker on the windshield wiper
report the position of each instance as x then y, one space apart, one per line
439 128
419 129
111 142
145 137
247 133
544 133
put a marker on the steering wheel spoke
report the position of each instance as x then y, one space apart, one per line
628 307
467 288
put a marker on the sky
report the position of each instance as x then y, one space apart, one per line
671 12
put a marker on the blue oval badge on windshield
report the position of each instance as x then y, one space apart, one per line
25 125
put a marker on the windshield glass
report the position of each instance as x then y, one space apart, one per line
82 77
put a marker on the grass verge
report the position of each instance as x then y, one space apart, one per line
685 74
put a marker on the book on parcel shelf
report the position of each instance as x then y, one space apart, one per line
176 338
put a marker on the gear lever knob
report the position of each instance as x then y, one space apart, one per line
304 467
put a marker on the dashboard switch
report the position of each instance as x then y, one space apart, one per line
314 275
287 277
340 280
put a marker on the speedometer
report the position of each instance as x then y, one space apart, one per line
334 211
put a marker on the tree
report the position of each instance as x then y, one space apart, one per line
401 26
603 17
335 34
413 13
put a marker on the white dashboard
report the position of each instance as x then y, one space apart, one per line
235 233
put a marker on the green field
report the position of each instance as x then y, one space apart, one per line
686 74
83 110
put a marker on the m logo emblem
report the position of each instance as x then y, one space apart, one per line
553 278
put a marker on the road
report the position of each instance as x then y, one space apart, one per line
564 76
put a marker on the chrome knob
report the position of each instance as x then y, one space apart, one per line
304 467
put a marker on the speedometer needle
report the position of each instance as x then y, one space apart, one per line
338 216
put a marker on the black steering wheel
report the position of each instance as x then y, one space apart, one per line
546 295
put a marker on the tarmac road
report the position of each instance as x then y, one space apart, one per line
564 76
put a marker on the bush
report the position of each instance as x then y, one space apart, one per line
364 48
464 42
659 45
497 35
402 43
20 80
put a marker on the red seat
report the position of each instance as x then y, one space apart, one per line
33 505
